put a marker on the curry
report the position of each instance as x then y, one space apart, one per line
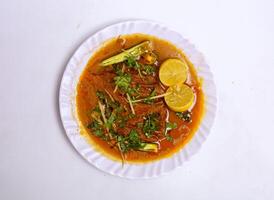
139 99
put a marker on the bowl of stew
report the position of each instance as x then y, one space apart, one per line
137 99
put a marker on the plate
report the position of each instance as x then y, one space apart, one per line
67 100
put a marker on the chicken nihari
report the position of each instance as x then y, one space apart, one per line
139 99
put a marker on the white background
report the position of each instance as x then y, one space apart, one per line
38 37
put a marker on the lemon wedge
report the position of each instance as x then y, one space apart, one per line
173 71
180 98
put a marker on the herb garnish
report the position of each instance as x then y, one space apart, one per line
148 99
131 62
169 127
123 81
151 124
111 120
133 142
96 109
148 69
185 116
97 130
101 95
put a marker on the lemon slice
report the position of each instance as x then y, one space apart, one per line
173 71
180 98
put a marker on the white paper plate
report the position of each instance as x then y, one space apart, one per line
75 67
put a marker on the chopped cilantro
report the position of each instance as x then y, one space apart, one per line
185 116
118 69
169 126
131 141
101 95
96 129
151 124
96 109
148 69
111 120
123 81
148 99
131 62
